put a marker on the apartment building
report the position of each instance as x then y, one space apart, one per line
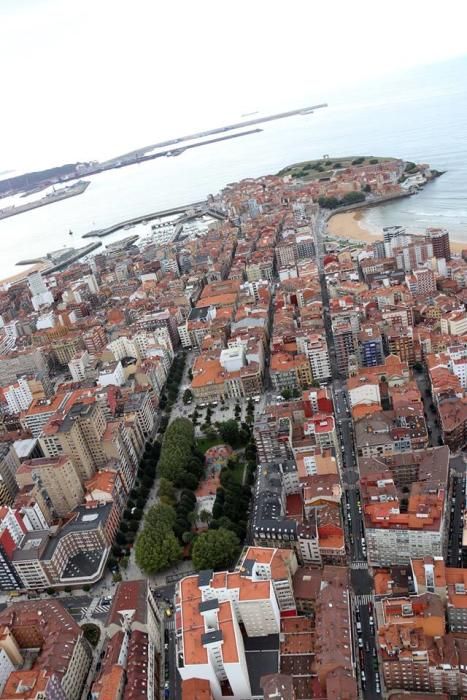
334 659
417 653
370 346
316 349
78 365
131 655
18 396
276 565
421 282
344 343
292 372
35 417
397 532
389 432
210 609
58 479
77 432
439 239
454 323
64 656
20 362
74 554
400 341
9 464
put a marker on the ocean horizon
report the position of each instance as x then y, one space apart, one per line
419 116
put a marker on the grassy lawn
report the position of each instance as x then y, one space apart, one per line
204 444
309 173
238 473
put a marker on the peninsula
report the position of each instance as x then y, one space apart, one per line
35 181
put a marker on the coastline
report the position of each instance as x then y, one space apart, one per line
352 225
37 267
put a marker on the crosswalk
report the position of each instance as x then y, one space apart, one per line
170 624
101 609
359 565
363 599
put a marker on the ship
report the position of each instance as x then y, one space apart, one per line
54 196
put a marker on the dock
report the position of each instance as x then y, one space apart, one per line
199 209
79 253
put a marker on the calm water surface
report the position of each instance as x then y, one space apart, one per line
421 116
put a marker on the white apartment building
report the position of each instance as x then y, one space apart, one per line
211 607
91 281
18 396
112 375
393 546
454 323
276 565
123 347
78 365
316 348
6 667
36 283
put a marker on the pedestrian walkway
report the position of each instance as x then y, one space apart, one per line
170 623
101 609
363 599
359 565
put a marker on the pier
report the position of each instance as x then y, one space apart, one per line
78 253
199 209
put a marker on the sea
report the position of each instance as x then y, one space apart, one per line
419 115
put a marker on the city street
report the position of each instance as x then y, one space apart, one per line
455 555
361 580
164 596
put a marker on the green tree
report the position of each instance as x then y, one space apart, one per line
353 197
187 396
153 553
205 516
328 202
187 480
229 432
215 549
160 518
286 394
177 448
166 492
92 633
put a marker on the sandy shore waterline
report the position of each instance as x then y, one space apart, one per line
41 267
352 225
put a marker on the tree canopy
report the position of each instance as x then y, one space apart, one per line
215 549
177 448
157 547
155 553
228 430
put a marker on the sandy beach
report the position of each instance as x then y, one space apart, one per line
23 274
353 226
